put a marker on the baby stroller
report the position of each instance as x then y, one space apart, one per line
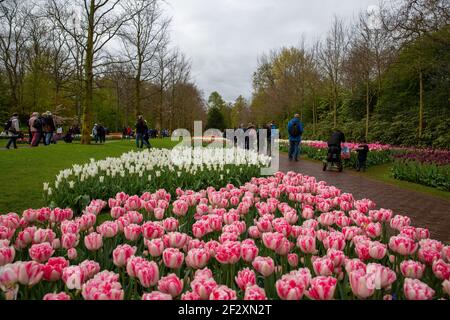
333 160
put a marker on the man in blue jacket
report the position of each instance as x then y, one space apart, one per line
295 130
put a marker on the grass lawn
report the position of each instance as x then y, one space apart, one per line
382 173
25 170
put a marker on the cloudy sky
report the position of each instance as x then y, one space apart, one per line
224 38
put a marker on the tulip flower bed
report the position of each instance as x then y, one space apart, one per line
435 175
285 237
318 150
150 170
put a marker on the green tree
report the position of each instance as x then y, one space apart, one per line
215 119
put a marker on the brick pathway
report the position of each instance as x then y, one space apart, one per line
424 210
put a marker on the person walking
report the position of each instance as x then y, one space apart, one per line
295 130
251 137
12 128
95 133
49 128
141 133
35 124
101 133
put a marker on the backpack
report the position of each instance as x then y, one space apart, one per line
8 125
37 124
295 130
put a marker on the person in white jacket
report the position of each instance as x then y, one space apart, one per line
13 131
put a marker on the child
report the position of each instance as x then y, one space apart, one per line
363 151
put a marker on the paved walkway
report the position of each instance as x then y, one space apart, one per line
424 210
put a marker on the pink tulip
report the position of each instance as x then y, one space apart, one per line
7 255
133 203
446 287
54 268
203 286
156 295
147 273
175 240
322 288
399 222
132 232
203 274
384 276
44 235
308 212
152 230
307 244
117 212
403 245
134 217
72 253
223 293
155 247
249 251
173 258
254 293
428 255
41 252
412 269
69 240
93 241
377 250
362 283
57 296
89 268
197 258
293 260
264 265
108 229
335 240
337 257
254 232
70 226
323 266
415 289
290 287
228 252
180 208
245 278
374 230
441 270
121 255
190 296
171 285
73 277
104 286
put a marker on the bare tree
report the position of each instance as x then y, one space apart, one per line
142 37
332 55
14 19
100 22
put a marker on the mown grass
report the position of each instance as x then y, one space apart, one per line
382 173
24 171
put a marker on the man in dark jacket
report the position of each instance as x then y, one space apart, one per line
336 140
49 128
295 130
141 133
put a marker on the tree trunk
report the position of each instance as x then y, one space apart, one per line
367 109
335 105
138 95
89 81
421 107
314 114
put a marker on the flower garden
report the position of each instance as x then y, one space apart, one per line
212 230
421 166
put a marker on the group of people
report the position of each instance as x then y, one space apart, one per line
99 133
41 128
335 142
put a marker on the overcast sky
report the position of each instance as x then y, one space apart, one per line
224 38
